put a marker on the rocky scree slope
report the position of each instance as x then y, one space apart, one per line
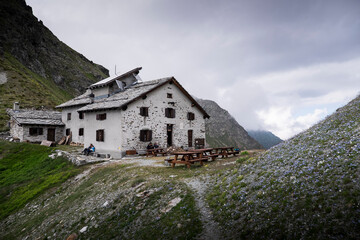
223 130
265 138
36 68
304 188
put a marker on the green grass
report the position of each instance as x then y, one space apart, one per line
26 87
26 171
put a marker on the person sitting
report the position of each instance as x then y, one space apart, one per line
156 145
88 150
150 146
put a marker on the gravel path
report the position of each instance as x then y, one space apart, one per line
211 227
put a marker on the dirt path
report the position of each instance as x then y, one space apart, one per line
211 227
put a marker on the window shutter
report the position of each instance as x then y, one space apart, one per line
167 112
173 113
97 117
149 135
142 135
146 113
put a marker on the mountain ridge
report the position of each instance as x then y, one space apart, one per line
223 130
36 68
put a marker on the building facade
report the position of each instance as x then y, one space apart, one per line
27 125
125 113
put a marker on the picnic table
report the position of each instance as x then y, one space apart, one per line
208 152
226 151
155 152
188 158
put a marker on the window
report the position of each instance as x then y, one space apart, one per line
100 135
190 138
67 132
81 131
145 135
169 112
169 95
35 131
144 111
191 116
69 116
101 116
81 115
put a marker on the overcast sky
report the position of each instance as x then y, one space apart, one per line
277 65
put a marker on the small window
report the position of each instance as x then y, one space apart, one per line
81 131
101 116
169 112
169 95
35 131
100 135
67 132
69 116
144 111
191 116
81 115
145 135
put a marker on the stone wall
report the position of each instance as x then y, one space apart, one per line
157 101
16 131
59 133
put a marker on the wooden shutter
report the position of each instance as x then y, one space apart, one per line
40 131
167 112
149 135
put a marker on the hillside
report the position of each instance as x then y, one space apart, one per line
304 188
223 130
36 68
265 138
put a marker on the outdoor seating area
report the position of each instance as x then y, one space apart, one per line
155 151
200 155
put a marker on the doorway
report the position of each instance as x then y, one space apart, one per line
169 130
190 138
51 134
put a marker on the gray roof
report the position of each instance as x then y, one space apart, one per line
125 97
109 80
36 117
79 100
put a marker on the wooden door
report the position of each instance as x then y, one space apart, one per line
169 129
190 138
51 134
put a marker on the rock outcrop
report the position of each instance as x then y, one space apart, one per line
223 130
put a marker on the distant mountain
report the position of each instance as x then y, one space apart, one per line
223 130
304 188
265 138
36 68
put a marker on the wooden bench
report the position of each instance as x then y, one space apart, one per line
155 152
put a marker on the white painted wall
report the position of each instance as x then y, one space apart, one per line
74 124
112 132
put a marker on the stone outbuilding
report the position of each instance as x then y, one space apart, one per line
35 125
124 113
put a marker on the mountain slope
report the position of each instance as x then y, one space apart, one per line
223 130
304 188
265 138
36 68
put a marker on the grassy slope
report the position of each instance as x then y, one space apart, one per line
307 187
25 172
26 87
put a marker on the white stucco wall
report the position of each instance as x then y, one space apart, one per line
112 132
74 124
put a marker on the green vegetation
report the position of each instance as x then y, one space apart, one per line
26 171
26 87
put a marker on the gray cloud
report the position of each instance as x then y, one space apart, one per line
246 55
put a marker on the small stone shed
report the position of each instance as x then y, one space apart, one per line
35 125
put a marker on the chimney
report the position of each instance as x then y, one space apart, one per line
16 106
